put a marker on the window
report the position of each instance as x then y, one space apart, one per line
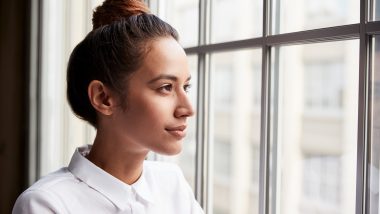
182 15
223 85
316 128
375 13
321 186
235 128
60 132
225 18
374 163
298 15
323 86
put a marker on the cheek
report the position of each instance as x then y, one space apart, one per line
150 111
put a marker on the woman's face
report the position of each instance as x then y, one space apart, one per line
157 104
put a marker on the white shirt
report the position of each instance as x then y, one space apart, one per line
82 187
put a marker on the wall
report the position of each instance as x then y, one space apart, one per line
13 107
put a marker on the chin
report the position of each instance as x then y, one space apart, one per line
173 149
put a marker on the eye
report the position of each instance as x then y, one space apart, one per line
166 88
187 87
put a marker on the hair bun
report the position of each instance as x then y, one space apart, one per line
114 10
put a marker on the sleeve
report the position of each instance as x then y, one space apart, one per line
36 201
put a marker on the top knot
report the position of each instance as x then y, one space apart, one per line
114 10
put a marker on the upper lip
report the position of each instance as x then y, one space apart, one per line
176 128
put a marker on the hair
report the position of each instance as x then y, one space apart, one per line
123 31
114 10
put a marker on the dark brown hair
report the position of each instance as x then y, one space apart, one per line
122 33
114 10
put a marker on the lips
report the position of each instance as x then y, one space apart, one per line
177 131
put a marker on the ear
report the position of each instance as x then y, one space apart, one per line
101 97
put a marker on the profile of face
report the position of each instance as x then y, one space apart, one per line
157 104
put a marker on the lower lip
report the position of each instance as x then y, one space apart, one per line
177 133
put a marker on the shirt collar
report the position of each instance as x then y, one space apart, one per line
112 188
142 187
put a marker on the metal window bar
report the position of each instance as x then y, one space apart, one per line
344 32
362 141
362 31
273 95
34 99
202 177
264 170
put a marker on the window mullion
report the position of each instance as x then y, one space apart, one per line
363 142
202 128
265 113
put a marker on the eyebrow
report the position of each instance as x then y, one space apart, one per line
166 76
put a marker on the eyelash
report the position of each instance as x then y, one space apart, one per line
169 88
187 87
166 88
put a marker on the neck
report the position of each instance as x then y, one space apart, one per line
117 158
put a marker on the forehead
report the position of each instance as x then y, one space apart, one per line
165 56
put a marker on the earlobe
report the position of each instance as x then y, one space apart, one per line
100 97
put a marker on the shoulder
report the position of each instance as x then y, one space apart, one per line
42 196
37 201
53 180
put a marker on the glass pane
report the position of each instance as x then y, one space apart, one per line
60 132
183 16
236 19
314 128
374 163
375 10
186 159
235 131
298 15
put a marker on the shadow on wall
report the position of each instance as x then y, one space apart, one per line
13 93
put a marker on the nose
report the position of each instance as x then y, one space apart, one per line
184 108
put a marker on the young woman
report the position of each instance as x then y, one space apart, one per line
129 79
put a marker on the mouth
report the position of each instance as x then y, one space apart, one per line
178 131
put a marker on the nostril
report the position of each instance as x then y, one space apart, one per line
183 112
